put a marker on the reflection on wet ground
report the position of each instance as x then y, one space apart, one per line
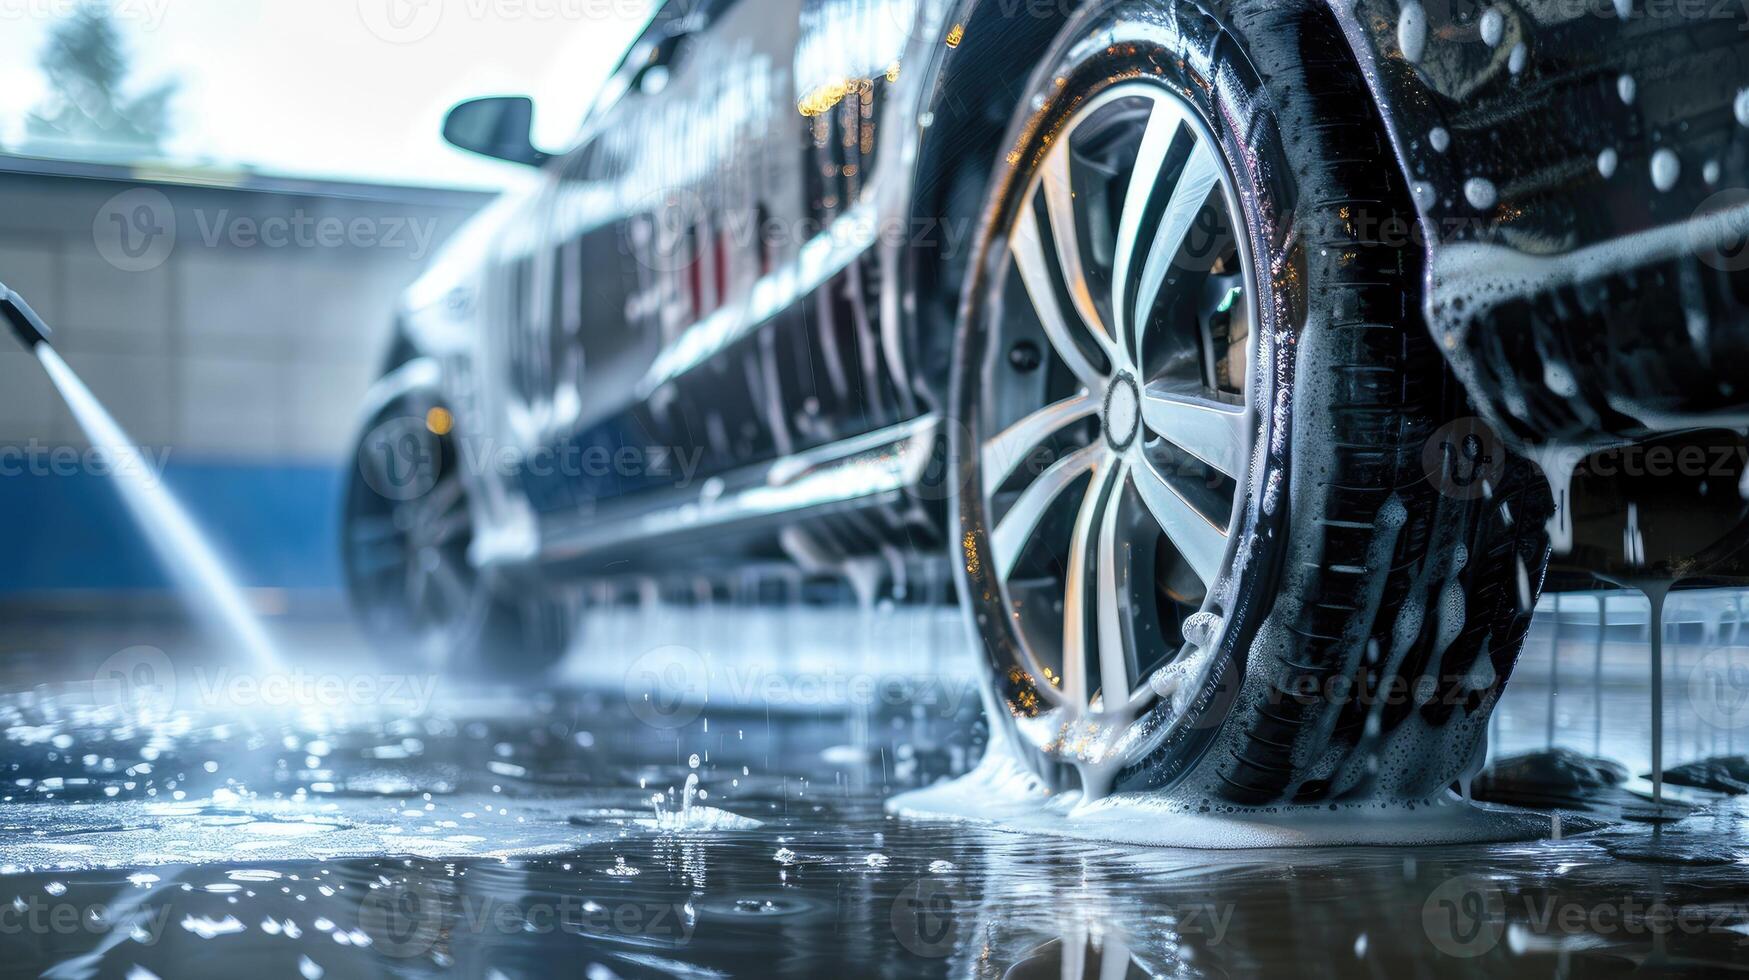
591 831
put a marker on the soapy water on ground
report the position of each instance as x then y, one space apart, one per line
296 828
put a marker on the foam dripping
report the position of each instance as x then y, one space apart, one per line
181 547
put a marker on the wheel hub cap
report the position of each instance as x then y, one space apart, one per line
1123 412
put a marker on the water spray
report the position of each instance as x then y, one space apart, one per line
182 548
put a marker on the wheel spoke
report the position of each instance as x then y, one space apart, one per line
1009 539
450 583
1164 123
1113 583
1202 543
1201 173
1215 433
439 500
1003 454
1058 181
1035 274
444 529
1075 587
417 581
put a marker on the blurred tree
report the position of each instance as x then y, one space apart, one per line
86 114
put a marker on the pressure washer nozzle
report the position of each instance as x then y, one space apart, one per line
29 327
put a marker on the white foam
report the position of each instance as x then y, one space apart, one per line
1003 795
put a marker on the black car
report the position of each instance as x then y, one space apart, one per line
1227 349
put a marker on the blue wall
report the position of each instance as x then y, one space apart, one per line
277 525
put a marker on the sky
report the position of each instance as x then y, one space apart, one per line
352 89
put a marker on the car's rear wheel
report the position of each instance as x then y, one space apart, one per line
1193 390
406 529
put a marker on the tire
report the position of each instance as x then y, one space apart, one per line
1363 610
406 518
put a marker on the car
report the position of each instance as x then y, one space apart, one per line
1236 355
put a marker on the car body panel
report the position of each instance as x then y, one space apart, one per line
1574 164
729 260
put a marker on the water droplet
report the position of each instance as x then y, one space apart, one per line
1665 169
1606 163
1412 31
1625 87
1493 27
1480 193
1439 139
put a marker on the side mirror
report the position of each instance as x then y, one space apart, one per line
497 126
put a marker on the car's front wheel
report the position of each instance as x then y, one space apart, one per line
1193 392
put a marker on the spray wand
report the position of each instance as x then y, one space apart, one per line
29 327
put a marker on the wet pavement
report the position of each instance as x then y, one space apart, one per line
233 823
